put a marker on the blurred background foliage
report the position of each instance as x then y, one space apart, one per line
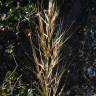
12 10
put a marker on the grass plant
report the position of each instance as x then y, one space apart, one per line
50 41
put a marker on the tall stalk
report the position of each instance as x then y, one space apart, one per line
50 44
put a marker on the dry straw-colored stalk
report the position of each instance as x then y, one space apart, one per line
50 44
